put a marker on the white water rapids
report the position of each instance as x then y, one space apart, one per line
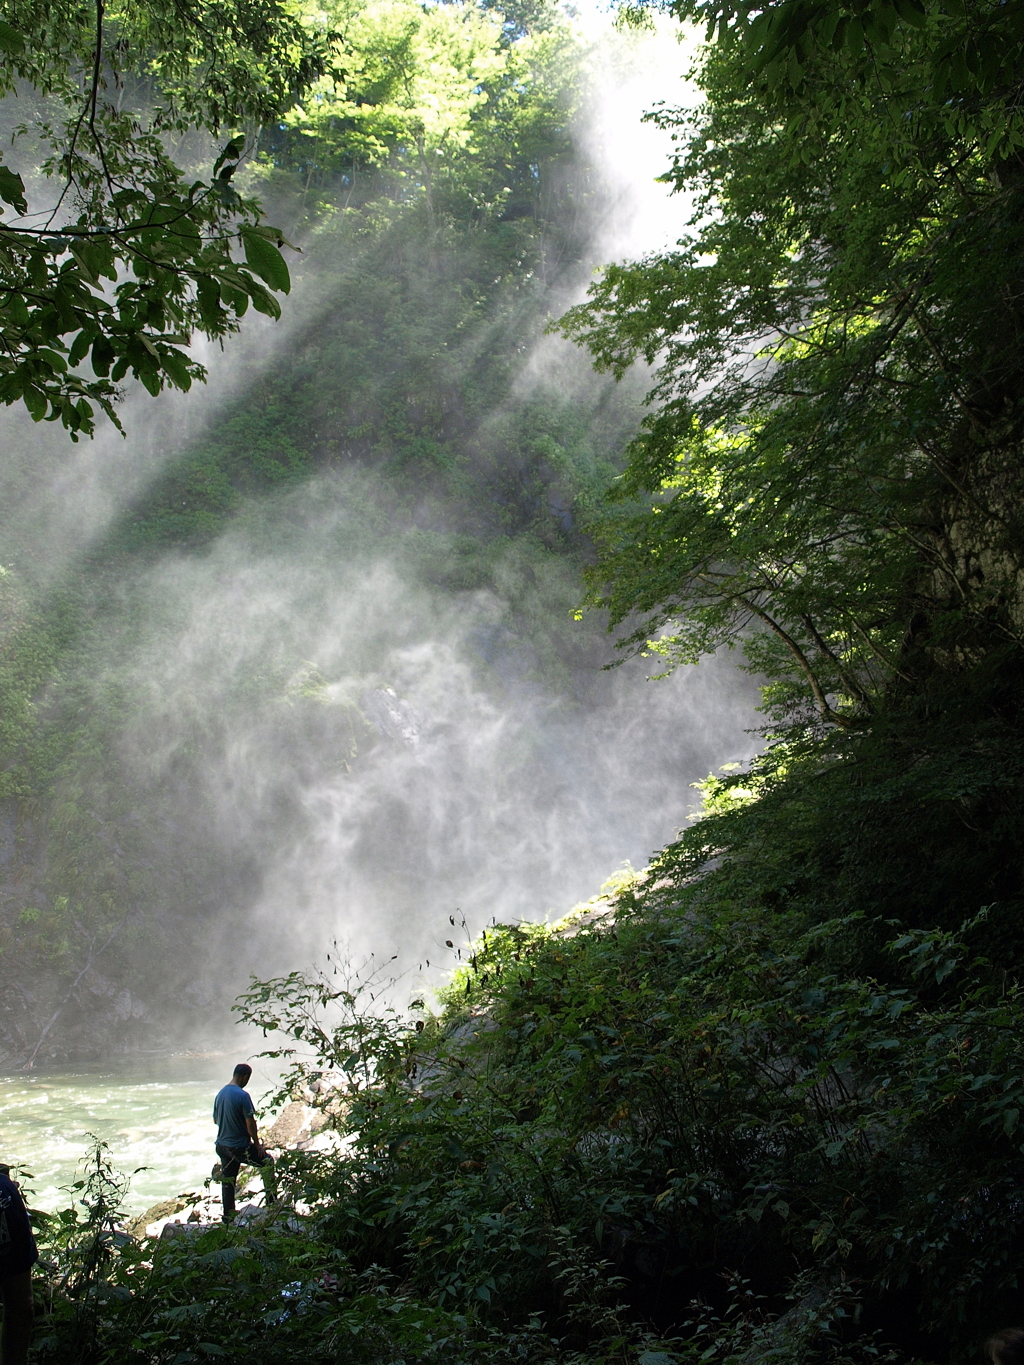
153 1112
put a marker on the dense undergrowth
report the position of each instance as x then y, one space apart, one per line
683 1124
756 1102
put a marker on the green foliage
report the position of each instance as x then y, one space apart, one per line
453 113
826 478
129 257
666 1129
826 473
280 1290
968 56
82 1245
685 1087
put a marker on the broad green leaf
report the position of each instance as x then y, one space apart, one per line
264 258
10 39
236 298
37 269
18 309
102 356
208 297
83 265
80 347
230 154
12 189
52 358
911 12
35 401
176 366
263 302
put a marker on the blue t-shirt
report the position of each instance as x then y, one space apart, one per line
231 1108
17 1245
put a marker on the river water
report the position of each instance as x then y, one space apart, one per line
153 1111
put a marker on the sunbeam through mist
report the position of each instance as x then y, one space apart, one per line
306 645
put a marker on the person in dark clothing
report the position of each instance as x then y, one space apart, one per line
1006 1347
18 1255
238 1139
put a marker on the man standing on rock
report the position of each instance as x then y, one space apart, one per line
238 1139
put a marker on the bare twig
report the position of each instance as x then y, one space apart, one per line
93 955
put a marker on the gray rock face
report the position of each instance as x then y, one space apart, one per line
292 1126
392 717
166 1208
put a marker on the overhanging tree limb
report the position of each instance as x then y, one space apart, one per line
148 257
827 713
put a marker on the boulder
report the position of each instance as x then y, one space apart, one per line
165 1209
292 1125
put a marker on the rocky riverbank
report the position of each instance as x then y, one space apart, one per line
299 1127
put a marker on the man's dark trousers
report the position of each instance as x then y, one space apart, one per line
231 1162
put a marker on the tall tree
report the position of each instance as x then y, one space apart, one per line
830 471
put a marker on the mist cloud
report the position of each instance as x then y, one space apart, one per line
325 735
415 762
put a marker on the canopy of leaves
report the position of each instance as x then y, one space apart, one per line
115 256
836 417
967 55
442 102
